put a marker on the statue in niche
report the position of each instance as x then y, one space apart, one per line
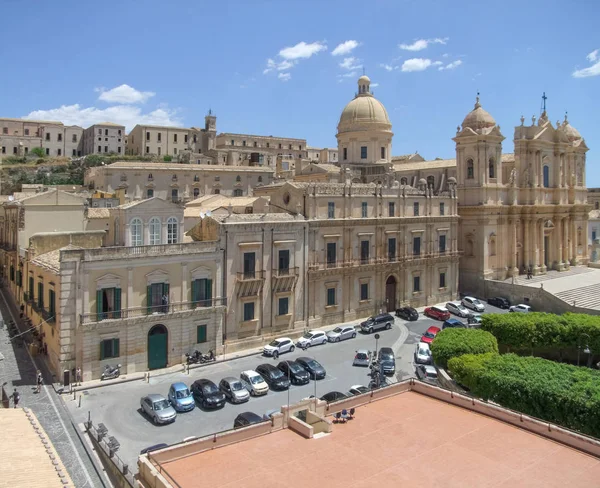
573 179
526 177
512 179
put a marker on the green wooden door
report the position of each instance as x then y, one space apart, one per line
157 347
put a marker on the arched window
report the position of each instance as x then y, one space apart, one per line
216 191
260 179
238 192
150 178
492 168
154 229
238 178
196 178
135 227
149 193
492 245
403 181
470 169
172 230
546 174
196 192
430 181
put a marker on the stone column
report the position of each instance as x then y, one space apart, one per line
558 241
542 247
513 260
573 242
86 292
585 239
536 244
566 247
526 243
129 303
126 239
184 283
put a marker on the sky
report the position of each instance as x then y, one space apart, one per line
287 68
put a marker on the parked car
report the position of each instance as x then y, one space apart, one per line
474 320
377 322
427 373
430 334
520 308
296 373
273 376
279 346
473 304
407 313
267 415
453 324
341 333
207 394
180 397
457 308
157 407
333 396
422 353
437 312
358 390
499 302
254 383
386 360
312 338
155 447
314 368
362 358
245 419
234 390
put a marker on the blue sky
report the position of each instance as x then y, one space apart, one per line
69 60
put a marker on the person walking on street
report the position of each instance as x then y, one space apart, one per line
78 376
38 381
16 397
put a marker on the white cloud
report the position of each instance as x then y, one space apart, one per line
452 65
421 44
284 76
350 63
374 85
344 48
436 63
352 74
416 64
124 94
445 55
127 115
302 50
593 70
386 67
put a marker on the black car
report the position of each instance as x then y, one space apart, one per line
245 419
314 368
155 447
273 376
207 394
499 302
387 361
296 373
333 396
407 313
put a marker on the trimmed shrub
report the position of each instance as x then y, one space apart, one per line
450 343
167 159
555 392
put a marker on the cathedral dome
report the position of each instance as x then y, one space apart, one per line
363 110
478 118
571 132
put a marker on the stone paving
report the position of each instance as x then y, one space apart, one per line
18 371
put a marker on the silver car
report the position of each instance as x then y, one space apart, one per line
362 358
234 390
422 353
457 308
158 408
341 333
473 304
427 373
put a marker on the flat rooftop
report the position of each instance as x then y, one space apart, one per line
405 440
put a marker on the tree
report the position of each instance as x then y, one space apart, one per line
38 151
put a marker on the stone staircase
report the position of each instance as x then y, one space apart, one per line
585 297
550 275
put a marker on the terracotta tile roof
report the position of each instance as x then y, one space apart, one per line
98 213
51 260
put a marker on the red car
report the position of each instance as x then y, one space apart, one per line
439 313
430 334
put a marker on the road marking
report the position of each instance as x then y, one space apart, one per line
85 471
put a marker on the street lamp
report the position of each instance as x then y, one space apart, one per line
586 350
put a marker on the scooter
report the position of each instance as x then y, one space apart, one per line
111 373
207 358
193 358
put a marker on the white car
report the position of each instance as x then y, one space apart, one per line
473 304
520 308
279 346
422 353
254 383
341 333
457 308
312 338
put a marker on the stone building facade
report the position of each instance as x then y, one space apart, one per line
104 138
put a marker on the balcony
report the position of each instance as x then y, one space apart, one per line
251 275
47 316
159 310
250 283
284 279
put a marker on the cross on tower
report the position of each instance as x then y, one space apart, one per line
544 98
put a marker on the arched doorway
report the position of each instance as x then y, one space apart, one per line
390 293
158 340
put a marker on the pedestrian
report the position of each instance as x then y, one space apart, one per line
78 376
16 397
38 381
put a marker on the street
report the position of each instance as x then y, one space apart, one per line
118 406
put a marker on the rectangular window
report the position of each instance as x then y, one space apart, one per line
283 306
26 132
105 132
201 333
74 139
174 194
331 254
330 297
416 246
243 143
100 149
593 235
284 261
331 210
59 137
175 151
442 280
51 303
119 150
345 153
363 152
40 297
382 152
12 273
232 142
27 150
74 152
108 303
47 136
202 292
364 291
3 149
59 152
159 151
416 284
442 209
5 130
442 243
16 150
157 298
47 151
147 136
364 251
159 137
105 149
364 210
392 249
392 209
109 349
175 138
31 287
119 132
416 209
249 265
248 311
147 149
19 278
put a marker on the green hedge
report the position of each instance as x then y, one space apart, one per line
556 392
538 330
451 343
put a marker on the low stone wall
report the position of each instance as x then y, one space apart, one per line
119 473
300 427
